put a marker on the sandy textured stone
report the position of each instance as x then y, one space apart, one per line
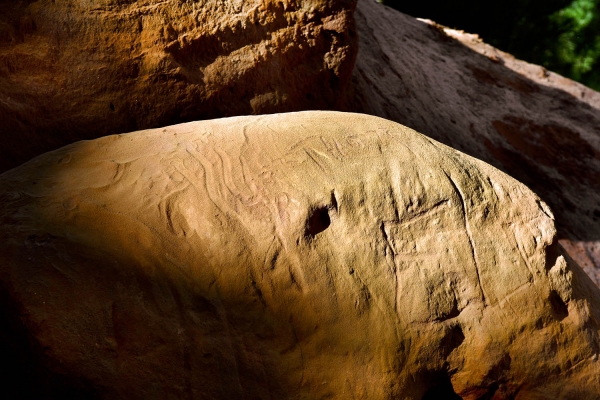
78 69
307 255
537 126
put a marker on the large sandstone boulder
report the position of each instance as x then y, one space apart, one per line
309 255
78 69
535 125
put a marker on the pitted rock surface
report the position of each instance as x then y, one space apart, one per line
302 255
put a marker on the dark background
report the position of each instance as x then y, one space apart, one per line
561 35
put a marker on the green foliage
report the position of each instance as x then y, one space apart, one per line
561 35
577 50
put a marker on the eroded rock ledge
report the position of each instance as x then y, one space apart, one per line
75 69
303 255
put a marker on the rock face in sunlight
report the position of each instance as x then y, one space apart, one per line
72 70
303 255
539 127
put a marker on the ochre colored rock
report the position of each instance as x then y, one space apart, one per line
307 255
537 126
75 69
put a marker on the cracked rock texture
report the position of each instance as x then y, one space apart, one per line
78 69
537 126
198 261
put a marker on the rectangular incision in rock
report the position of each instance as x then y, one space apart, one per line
433 262
418 233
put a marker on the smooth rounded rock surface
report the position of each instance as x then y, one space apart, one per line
539 127
305 255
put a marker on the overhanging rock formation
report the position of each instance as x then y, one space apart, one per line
303 255
75 69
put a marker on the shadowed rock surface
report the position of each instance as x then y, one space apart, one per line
76 69
537 126
306 255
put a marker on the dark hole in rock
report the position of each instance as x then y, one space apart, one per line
318 221
441 390
112 107
454 312
453 339
559 308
